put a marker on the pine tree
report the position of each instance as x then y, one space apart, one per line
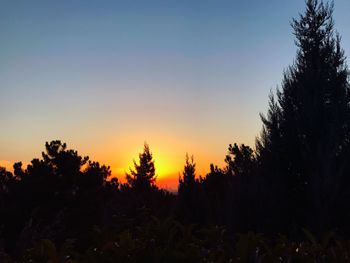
143 177
304 143
240 160
188 181
188 192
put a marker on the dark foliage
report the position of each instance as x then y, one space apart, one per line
143 177
304 146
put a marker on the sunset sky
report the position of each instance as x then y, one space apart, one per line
106 76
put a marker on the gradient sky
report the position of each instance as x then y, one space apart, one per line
105 76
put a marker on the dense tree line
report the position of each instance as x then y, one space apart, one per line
296 178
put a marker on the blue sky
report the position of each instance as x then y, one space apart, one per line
104 76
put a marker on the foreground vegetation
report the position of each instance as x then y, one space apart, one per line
169 241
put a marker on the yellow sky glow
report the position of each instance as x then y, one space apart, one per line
168 150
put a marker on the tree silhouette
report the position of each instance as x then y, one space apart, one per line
304 143
65 163
143 177
96 174
189 192
240 160
188 181
5 178
52 196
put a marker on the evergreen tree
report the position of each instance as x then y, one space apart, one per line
188 192
188 180
143 177
304 143
240 160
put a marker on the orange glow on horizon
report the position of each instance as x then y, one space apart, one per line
167 169
168 165
168 150
6 164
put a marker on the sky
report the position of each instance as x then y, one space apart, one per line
106 76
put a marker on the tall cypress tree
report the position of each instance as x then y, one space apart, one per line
304 145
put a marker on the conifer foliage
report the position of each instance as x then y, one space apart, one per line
304 144
143 177
188 181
